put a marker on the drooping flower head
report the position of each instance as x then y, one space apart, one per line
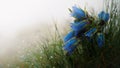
100 39
70 45
106 17
91 32
84 26
69 36
78 13
78 26
71 49
103 16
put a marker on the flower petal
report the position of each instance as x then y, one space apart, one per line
78 26
106 17
69 36
100 39
78 13
71 49
90 32
101 14
69 44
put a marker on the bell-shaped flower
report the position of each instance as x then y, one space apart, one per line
71 49
91 32
78 13
69 36
70 44
78 26
100 39
103 16
106 17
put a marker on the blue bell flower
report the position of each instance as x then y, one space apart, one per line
106 17
78 13
69 36
103 16
100 39
71 49
69 44
78 26
90 32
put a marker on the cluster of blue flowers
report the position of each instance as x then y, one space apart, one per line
84 26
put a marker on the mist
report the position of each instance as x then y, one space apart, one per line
26 21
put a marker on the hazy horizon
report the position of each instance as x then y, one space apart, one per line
25 17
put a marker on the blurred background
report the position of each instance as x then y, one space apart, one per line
23 22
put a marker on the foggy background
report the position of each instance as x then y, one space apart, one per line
25 21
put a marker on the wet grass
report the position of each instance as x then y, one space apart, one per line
49 52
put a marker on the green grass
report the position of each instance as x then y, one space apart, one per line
49 53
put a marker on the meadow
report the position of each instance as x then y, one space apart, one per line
49 53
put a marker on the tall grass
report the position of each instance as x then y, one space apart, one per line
49 52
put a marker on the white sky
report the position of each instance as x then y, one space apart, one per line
17 14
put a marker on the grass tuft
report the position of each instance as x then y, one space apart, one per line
49 53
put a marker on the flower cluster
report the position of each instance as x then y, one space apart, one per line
85 26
